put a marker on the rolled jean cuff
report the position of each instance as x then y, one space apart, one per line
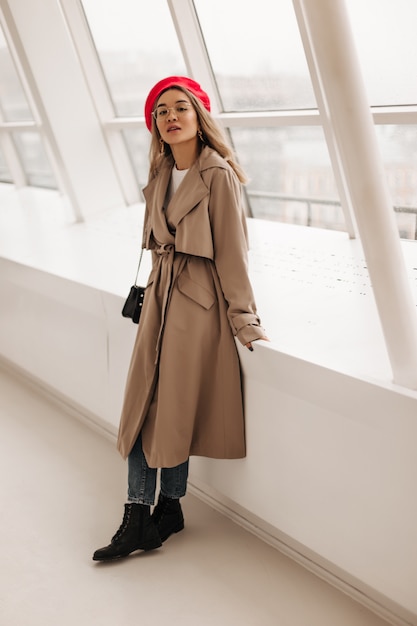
140 501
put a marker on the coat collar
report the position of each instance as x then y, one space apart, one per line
189 194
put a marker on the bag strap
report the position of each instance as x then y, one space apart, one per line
137 271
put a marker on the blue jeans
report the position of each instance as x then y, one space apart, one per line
142 478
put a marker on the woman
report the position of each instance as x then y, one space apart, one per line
183 393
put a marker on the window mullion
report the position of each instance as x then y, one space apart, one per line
332 146
193 48
100 95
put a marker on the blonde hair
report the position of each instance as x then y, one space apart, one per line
213 136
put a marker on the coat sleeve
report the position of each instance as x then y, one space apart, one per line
230 244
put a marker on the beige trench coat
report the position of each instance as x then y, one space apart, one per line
184 388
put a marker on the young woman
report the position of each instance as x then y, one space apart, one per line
184 393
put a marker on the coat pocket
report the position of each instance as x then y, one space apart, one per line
195 292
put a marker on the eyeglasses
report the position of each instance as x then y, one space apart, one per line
179 110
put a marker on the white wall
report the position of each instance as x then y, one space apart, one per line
331 466
67 335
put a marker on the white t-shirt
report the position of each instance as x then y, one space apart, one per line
177 176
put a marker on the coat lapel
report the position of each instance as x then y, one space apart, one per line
190 193
155 190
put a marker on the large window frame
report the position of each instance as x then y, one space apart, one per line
196 59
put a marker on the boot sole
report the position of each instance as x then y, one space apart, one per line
146 548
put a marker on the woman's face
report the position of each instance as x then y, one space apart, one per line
176 118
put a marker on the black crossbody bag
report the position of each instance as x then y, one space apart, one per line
133 306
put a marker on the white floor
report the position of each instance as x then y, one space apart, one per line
62 490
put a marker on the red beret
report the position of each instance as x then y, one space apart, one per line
173 81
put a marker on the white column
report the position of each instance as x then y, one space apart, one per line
60 93
343 88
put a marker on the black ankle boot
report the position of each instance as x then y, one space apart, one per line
168 517
137 532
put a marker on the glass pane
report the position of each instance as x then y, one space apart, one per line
13 103
256 54
398 148
137 142
34 159
137 46
291 179
385 35
4 172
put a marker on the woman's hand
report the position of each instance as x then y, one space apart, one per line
249 345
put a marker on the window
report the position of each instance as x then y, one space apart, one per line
384 32
259 65
137 45
33 157
291 178
137 142
22 146
387 49
4 170
257 55
14 106
398 145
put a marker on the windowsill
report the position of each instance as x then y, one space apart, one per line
312 287
38 229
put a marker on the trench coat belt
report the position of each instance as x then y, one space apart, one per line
165 249
166 253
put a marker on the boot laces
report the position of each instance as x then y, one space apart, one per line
124 524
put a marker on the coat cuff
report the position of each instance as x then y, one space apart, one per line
250 332
243 319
